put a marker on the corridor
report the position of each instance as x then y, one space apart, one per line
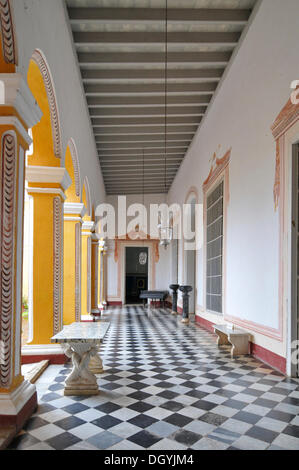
166 386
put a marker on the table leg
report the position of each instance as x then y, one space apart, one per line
96 364
81 380
239 345
222 338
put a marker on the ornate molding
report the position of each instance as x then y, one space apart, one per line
276 189
57 260
48 174
74 208
138 236
18 95
7 232
192 190
7 33
88 197
88 226
78 272
217 166
287 117
39 59
75 159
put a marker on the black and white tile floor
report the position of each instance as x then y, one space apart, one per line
166 387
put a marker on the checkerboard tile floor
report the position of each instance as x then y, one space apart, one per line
167 386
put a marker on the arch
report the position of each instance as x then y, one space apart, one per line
86 196
189 258
8 58
192 191
40 60
73 168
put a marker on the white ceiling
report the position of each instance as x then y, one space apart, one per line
121 53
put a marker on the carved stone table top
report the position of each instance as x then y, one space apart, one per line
82 332
229 331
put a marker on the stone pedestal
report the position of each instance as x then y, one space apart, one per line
96 364
186 291
81 342
174 288
81 380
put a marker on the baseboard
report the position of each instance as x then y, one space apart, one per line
114 303
53 353
268 357
52 358
204 323
265 355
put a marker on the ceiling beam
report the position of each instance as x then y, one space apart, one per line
150 74
121 176
149 153
134 145
201 15
119 101
136 130
142 121
209 57
133 88
143 138
147 112
139 163
145 37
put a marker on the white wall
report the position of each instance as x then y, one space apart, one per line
252 94
42 24
162 267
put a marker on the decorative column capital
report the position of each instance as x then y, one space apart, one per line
48 174
16 94
74 211
87 227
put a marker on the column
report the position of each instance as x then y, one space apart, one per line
46 186
87 229
103 264
73 213
17 396
95 311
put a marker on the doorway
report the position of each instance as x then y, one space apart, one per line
295 262
136 273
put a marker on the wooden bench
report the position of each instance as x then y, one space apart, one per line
81 342
239 339
160 295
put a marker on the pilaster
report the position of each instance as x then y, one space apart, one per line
18 112
73 213
46 187
87 229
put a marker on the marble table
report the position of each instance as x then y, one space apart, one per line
237 338
81 342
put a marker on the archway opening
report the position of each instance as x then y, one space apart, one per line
39 213
190 256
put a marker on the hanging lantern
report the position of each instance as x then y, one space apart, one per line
165 235
165 231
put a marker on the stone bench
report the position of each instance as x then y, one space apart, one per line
81 342
239 339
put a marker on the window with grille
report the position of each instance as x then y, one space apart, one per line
214 249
